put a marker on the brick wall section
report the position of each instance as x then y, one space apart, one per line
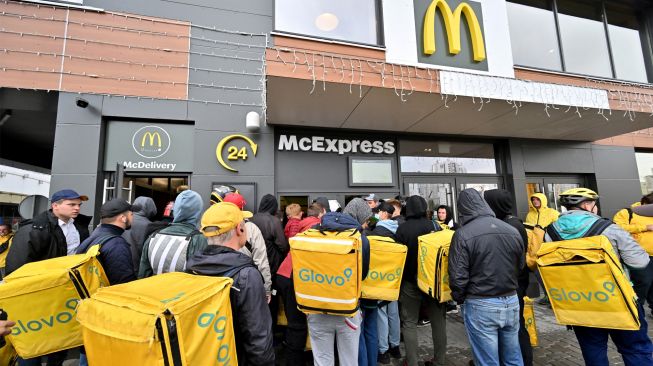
54 48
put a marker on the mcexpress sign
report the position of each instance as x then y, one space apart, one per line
340 146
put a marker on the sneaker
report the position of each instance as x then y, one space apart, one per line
384 358
395 352
423 322
451 308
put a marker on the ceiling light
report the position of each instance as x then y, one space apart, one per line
326 22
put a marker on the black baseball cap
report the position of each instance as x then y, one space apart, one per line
115 207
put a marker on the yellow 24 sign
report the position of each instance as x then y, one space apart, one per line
234 152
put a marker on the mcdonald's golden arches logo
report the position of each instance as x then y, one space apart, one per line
452 24
151 142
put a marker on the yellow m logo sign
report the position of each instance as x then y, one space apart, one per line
151 136
452 25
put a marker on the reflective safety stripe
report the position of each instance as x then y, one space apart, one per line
326 299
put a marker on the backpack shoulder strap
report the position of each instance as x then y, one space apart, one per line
598 227
630 214
553 233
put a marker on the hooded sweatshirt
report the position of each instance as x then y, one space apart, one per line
543 216
486 255
137 234
386 228
359 210
276 243
416 224
162 257
251 316
500 201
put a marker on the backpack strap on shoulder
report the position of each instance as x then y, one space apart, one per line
630 214
553 233
598 227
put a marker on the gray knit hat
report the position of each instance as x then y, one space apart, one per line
358 209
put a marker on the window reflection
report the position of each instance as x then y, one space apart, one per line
354 21
447 157
645 169
585 46
528 23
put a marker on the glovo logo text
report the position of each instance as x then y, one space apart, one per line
452 25
385 276
36 325
95 271
308 275
218 324
422 258
565 295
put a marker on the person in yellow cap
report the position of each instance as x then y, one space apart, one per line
223 224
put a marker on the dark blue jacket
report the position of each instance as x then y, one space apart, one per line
115 253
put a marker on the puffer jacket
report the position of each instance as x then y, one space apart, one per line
272 230
543 216
416 224
574 224
115 253
42 238
636 224
486 254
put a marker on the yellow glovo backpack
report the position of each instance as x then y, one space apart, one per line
327 266
433 264
41 297
586 283
171 319
387 259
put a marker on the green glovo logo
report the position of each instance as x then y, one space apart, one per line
218 324
562 294
422 258
36 325
385 276
308 275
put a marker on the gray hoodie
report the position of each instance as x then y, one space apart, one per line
137 234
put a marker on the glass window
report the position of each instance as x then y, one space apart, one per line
354 21
584 43
534 24
447 157
645 169
623 28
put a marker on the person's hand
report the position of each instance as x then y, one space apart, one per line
268 298
5 327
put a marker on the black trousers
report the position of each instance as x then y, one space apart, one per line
297 329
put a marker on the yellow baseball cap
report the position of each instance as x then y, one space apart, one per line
222 217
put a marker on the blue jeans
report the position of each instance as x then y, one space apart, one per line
368 345
388 326
492 326
634 345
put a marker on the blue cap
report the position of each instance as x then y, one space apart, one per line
67 194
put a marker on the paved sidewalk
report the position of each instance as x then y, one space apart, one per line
558 346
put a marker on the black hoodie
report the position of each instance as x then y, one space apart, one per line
486 254
500 201
251 316
416 225
276 243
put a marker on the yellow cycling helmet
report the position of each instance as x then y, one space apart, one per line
573 197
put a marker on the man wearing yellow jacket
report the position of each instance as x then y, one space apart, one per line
638 221
538 212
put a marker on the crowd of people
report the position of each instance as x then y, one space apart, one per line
487 273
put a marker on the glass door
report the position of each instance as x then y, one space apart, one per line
551 187
436 191
480 184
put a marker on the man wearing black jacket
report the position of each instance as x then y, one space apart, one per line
485 258
410 296
272 230
500 201
224 226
